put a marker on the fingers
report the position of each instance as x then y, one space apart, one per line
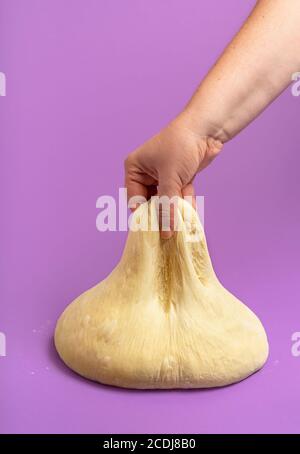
135 183
188 192
141 187
168 190
168 204
136 194
167 185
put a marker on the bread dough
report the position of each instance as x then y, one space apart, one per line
162 319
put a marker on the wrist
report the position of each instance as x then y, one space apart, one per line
192 119
202 135
203 131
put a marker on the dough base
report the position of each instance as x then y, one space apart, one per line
162 319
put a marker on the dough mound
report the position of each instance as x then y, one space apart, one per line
162 319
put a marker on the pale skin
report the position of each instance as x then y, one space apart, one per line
253 70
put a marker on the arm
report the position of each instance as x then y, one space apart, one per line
252 71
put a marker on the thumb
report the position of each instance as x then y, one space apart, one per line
169 189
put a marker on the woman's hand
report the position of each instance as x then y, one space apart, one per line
167 164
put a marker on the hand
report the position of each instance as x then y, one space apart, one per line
167 164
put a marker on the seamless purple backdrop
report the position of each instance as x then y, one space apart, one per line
88 81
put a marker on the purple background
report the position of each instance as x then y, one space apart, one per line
88 81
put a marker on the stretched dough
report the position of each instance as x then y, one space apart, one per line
162 319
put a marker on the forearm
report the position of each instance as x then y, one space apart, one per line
253 70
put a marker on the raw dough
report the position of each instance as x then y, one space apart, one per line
162 319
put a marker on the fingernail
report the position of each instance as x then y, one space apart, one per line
134 206
166 235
